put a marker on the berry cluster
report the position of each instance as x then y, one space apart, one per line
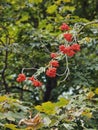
21 78
51 72
64 27
35 82
69 49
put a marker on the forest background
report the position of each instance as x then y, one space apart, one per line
29 33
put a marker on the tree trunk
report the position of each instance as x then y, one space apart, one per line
3 72
50 85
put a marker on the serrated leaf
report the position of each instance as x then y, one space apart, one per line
47 107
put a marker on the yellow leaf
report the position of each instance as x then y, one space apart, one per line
90 95
3 98
11 126
39 108
36 1
62 102
87 39
87 114
58 2
96 90
47 107
66 1
68 16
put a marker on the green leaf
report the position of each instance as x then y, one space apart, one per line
46 121
35 1
51 9
1 124
25 16
2 116
10 116
49 27
70 8
11 126
68 126
47 107
21 107
62 102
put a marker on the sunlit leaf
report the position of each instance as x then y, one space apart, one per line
51 9
3 98
67 1
11 126
90 95
87 114
36 1
62 102
47 107
96 90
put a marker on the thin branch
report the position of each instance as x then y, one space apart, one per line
18 88
5 64
93 22
28 69
67 72
62 73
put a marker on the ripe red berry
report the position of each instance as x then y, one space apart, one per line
64 27
68 37
51 72
54 63
53 55
75 47
21 78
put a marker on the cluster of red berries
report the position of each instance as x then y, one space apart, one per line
69 50
64 27
35 82
21 78
51 71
